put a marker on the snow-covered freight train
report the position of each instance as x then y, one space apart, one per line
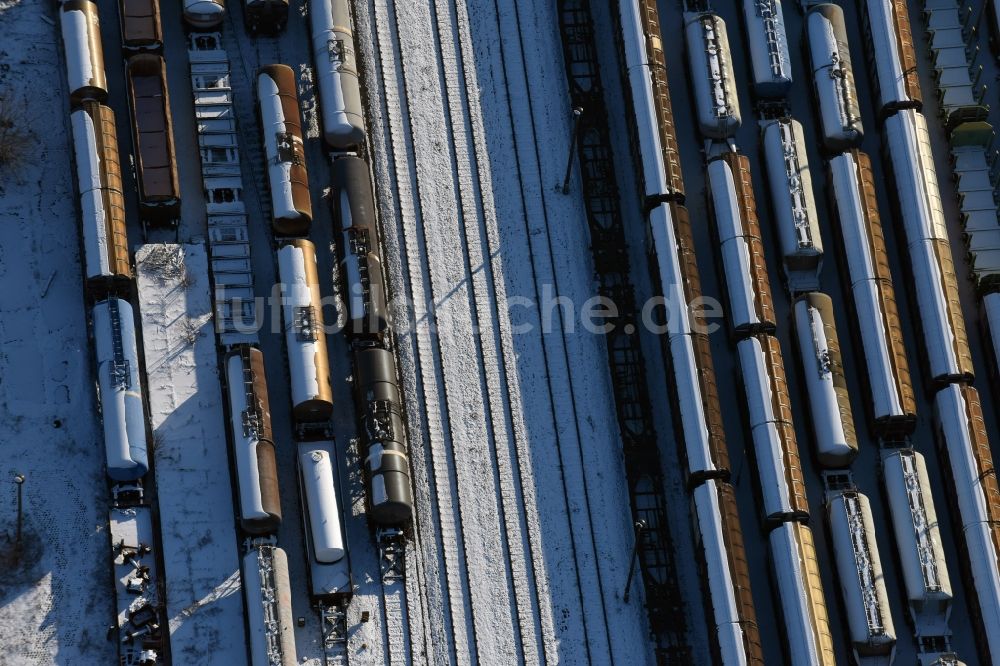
893 58
253 442
826 384
326 542
120 390
81 33
268 594
711 69
281 124
265 17
204 14
336 73
892 403
790 182
305 333
153 139
140 25
767 42
833 77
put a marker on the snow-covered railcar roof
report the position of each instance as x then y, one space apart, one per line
767 41
833 77
711 70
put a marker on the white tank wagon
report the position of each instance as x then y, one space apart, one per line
268 596
862 583
360 255
823 370
833 77
204 14
121 396
305 332
253 441
893 58
81 35
806 621
332 32
793 204
751 308
725 575
892 403
962 434
281 124
319 483
918 540
711 63
769 409
767 41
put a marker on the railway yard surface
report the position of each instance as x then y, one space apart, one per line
521 540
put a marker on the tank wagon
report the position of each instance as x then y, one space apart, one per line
204 14
800 589
892 403
153 134
791 192
833 77
737 227
719 539
918 538
305 333
770 416
653 113
337 73
962 434
711 63
265 17
120 390
767 42
859 569
383 436
360 258
269 604
823 368
253 442
291 207
140 24
329 565
81 33
98 172
890 46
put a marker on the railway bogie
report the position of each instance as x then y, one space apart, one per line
265 17
336 73
204 14
329 565
833 77
269 607
140 25
711 68
81 34
767 42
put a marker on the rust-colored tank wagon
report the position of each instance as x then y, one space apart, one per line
102 206
152 130
265 17
81 33
291 207
140 22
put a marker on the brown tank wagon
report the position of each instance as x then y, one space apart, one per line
81 33
140 23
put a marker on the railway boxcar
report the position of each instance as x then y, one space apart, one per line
268 595
806 621
792 200
769 410
751 308
890 45
265 17
859 569
711 63
833 77
823 368
912 160
140 24
253 442
669 278
102 206
153 135
204 14
651 106
719 543
918 540
337 73
305 333
962 434
892 403
329 565
81 34
120 389
767 42
360 256
291 207
387 466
